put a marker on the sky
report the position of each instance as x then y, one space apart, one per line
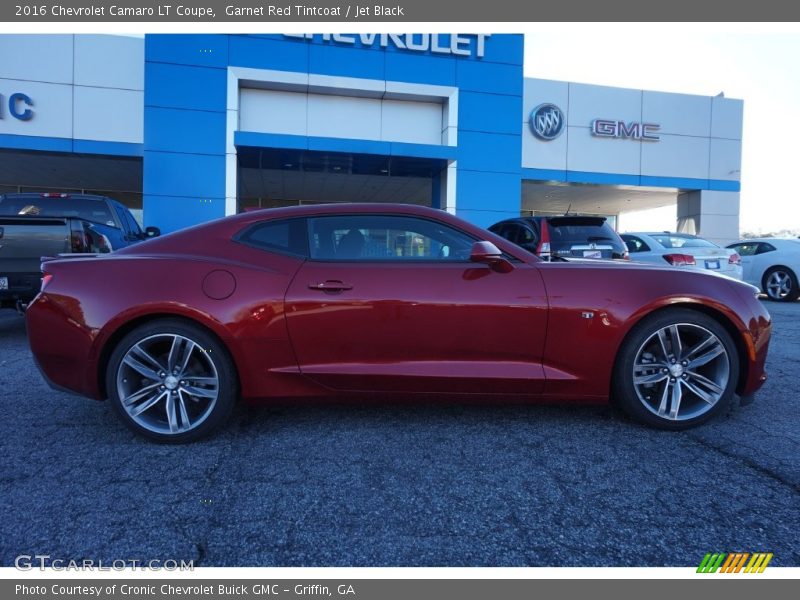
759 64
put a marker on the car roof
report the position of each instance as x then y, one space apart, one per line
768 240
534 218
338 208
23 195
230 225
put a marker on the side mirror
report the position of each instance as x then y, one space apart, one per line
151 232
489 254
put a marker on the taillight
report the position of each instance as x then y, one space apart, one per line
46 278
734 259
52 195
543 249
680 260
103 244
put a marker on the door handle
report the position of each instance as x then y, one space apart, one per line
330 286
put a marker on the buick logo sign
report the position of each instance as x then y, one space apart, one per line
547 122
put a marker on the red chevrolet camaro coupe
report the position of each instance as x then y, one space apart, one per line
384 300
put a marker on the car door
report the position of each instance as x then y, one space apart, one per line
747 253
392 303
766 256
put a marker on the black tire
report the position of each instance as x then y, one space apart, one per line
778 295
191 399
643 403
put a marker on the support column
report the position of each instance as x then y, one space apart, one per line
711 214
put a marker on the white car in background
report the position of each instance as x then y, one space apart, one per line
683 250
772 264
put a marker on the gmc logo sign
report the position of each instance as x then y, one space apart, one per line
645 132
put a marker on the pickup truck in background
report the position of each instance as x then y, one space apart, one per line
36 225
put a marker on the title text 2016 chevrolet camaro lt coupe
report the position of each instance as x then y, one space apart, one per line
384 300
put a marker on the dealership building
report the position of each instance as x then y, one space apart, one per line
188 128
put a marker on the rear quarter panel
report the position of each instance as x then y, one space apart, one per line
90 303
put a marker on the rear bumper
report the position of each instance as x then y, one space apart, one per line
61 346
51 383
21 286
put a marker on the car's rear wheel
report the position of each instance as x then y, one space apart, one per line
780 284
676 369
171 381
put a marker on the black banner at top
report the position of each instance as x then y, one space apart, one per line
474 11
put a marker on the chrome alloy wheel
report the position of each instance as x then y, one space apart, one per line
779 284
167 383
681 371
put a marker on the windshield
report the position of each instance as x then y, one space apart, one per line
567 230
681 241
40 206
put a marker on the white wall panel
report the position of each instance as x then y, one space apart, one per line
45 58
344 117
726 118
273 111
676 156
538 154
601 155
52 109
713 202
327 115
589 102
109 115
109 61
413 122
679 114
726 159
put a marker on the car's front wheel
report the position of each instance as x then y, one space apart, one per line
676 369
171 381
780 284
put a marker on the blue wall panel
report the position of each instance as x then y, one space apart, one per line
489 152
263 53
202 50
345 61
435 70
495 192
191 131
177 86
486 112
487 77
505 48
190 175
170 213
35 142
54 144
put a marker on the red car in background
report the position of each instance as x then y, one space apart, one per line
394 300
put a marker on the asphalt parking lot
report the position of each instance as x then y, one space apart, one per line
401 486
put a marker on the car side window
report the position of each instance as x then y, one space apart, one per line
131 223
121 216
287 236
517 234
635 244
386 238
746 249
523 236
764 247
